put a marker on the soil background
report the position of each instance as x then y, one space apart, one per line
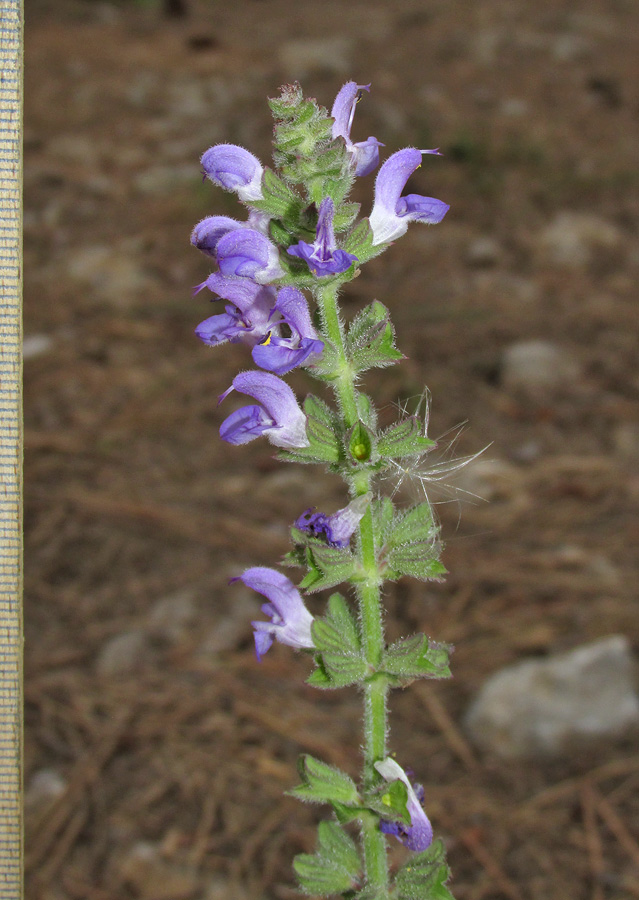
157 749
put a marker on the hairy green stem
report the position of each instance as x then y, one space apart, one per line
370 607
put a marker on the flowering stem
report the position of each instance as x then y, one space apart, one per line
368 591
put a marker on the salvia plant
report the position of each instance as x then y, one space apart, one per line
303 239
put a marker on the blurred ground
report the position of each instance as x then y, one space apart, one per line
157 748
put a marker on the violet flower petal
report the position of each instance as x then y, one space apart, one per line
220 328
391 212
245 425
341 526
294 308
234 169
288 422
280 357
418 835
249 254
255 301
323 257
365 154
207 233
290 620
338 528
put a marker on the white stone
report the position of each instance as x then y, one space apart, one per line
537 364
546 707
44 786
35 345
572 239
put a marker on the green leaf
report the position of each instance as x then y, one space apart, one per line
417 560
337 633
417 524
279 200
370 340
404 438
336 637
383 513
322 431
322 783
333 565
333 868
412 547
423 877
417 657
360 242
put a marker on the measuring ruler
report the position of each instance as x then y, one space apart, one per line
11 844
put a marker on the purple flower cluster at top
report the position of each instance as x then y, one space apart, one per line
275 323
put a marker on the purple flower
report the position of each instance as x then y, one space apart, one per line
207 233
250 254
365 154
338 528
247 318
234 169
323 257
391 212
290 620
277 416
419 834
281 354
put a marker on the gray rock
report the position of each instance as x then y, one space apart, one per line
537 365
546 707
35 345
572 239
44 787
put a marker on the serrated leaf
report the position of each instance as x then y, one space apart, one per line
322 783
383 513
279 200
370 339
334 867
360 241
404 438
337 640
416 560
322 431
417 657
423 877
345 669
337 631
417 524
333 564
345 214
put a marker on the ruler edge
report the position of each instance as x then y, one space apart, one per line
12 20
